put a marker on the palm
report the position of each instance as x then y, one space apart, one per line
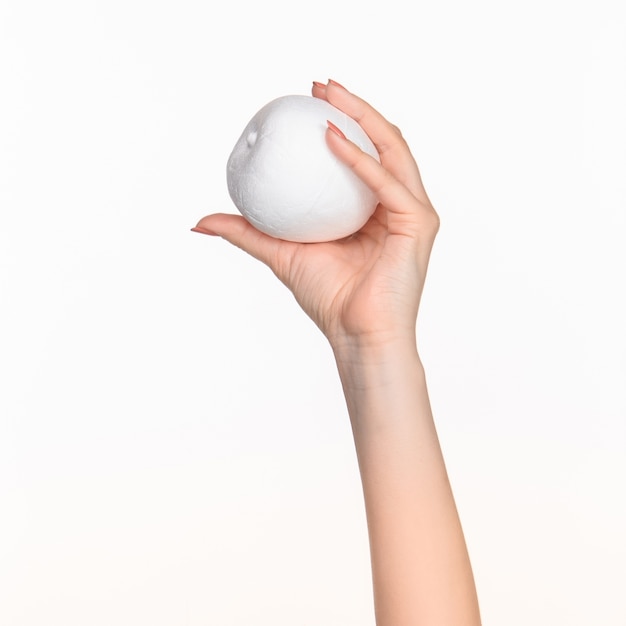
349 285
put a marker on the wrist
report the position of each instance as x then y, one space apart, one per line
365 362
373 343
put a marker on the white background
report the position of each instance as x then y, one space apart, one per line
174 446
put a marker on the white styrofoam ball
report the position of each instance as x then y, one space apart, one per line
286 182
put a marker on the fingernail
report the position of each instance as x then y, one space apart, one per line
335 129
334 82
203 231
319 85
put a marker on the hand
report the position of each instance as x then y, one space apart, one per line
366 286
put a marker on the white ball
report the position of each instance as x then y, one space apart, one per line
286 182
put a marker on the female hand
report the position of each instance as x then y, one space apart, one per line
368 285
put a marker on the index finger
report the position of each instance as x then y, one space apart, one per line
394 152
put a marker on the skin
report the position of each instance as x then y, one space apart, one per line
363 292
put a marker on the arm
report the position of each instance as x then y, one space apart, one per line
420 566
363 292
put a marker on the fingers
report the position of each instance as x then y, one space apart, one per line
318 90
391 146
406 212
239 232
384 135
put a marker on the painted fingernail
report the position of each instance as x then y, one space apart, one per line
334 82
319 85
335 129
203 231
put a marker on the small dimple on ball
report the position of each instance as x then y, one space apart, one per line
251 139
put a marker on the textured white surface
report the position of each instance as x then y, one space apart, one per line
284 179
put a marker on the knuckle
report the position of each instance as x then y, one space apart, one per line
432 221
384 181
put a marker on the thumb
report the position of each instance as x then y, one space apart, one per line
238 231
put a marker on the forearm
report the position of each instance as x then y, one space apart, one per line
420 566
